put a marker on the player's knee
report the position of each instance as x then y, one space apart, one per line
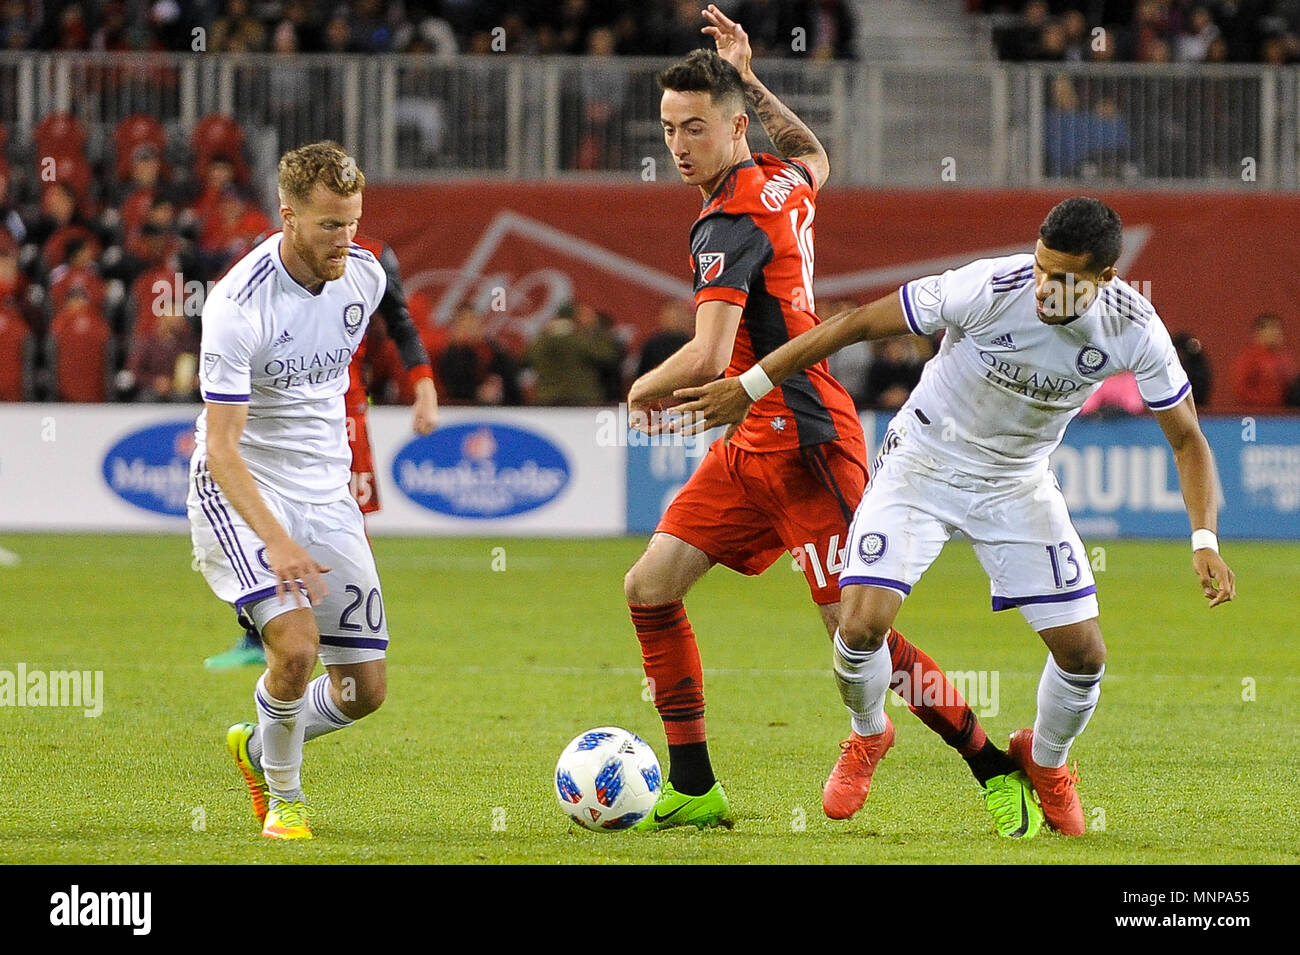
1086 653
291 669
643 588
864 631
368 700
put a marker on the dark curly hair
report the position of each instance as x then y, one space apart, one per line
1081 225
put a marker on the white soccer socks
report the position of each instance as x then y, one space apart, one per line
1065 704
320 713
281 725
863 678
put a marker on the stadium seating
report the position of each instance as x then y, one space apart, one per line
135 131
79 353
16 355
219 135
59 134
84 279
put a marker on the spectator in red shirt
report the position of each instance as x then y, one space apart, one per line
1263 372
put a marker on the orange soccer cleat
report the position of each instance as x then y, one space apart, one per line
850 781
1054 785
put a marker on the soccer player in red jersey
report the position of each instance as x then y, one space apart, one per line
397 321
791 475
396 316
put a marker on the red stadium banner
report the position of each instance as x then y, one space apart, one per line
1209 262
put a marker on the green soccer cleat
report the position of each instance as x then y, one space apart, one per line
675 809
1010 801
237 656
237 738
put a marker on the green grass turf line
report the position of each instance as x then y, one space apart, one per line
493 671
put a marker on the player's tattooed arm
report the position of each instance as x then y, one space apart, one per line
789 134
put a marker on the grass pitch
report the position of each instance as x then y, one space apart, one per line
1190 757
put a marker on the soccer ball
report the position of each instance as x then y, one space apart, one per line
607 778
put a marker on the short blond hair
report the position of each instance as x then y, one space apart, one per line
326 163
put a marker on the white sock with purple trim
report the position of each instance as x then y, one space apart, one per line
281 727
1065 704
320 713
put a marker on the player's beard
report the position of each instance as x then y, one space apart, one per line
320 265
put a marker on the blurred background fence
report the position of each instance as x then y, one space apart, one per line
982 123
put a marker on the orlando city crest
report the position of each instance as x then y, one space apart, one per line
871 547
1091 360
353 315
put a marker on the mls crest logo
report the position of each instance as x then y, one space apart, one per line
209 363
353 316
1091 360
871 547
710 264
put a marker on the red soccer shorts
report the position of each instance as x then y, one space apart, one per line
744 509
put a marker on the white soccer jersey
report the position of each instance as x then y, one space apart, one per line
271 344
997 397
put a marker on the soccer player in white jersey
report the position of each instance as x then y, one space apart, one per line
1027 339
269 506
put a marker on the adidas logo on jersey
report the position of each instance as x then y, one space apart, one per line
284 339
1004 341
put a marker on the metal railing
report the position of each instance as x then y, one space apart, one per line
406 117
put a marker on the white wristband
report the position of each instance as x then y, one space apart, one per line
1203 538
756 383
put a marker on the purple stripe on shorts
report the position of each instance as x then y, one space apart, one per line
1006 603
354 643
217 529
877 582
230 528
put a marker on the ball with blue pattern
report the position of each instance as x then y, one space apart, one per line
607 779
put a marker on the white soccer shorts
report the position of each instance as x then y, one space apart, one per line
1020 529
232 559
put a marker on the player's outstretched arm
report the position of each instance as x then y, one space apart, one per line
727 401
789 134
287 558
1196 478
704 357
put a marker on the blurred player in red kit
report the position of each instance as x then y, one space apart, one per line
789 478
396 316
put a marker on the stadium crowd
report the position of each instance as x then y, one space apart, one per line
443 27
1146 31
104 267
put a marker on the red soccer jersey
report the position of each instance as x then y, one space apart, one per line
753 246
